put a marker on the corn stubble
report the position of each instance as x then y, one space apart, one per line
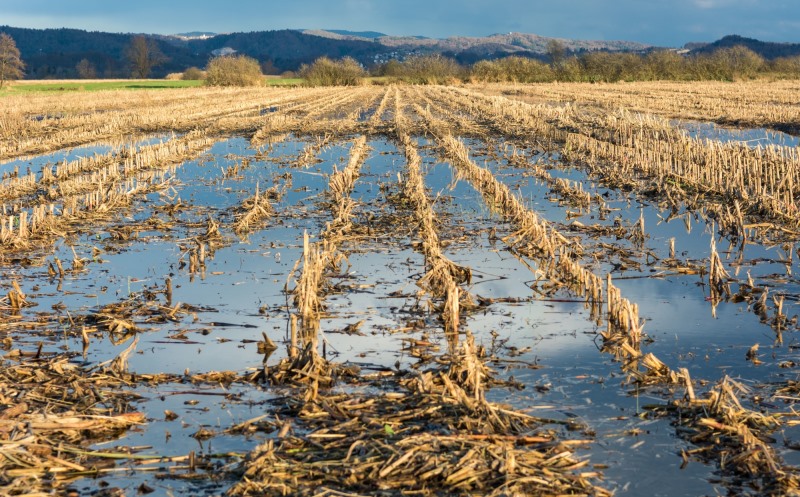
433 432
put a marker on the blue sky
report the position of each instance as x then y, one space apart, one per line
658 22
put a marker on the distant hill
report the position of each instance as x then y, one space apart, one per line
358 34
336 34
287 49
508 43
54 53
768 50
695 45
468 50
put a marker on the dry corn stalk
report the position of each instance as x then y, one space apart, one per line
717 275
254 210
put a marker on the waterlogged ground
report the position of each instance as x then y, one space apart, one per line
546 341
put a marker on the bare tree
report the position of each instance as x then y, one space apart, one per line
11 65
86 69
143 55
557 53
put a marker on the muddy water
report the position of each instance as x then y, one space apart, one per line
549 345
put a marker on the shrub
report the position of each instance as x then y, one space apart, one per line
431 69
666 65
512 69
424 69
393 68
788 67
193 74
234 70
726 64
615 66
740 61
327 72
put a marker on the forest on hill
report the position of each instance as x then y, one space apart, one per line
55 53
60 53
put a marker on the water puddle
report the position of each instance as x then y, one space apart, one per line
547 345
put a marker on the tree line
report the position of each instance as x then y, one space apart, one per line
726 64
57 53
142 56
723 64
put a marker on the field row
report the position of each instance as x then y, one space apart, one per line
427 184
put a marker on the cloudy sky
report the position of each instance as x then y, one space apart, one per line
658 22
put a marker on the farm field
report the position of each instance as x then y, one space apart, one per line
59 86
35 86
380 290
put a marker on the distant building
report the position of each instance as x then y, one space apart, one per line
223 52
397 55
194 36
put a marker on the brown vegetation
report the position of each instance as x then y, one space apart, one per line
327 72
11 66
143 55
233 70
432 431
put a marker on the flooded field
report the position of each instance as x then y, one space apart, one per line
393 290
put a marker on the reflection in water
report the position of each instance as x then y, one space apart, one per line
752 137
34 164
545 341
